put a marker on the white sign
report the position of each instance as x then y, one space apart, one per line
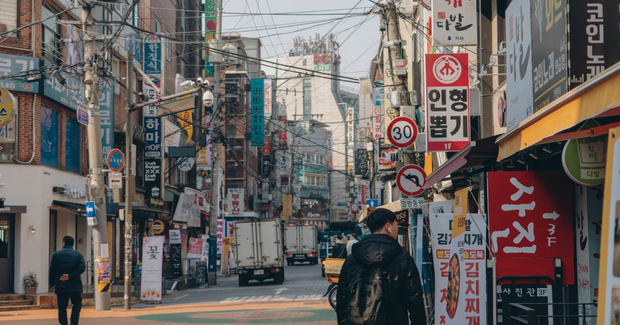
267 96
412 203
411 179
402 132
364 119
116 180
355 207
152 259
400 68
175 236
220 234
173 135
235 201
184 208
519 94
194 220
205 248
454 22
186 164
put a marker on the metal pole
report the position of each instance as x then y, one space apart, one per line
215 170
393 34
95 153
128 180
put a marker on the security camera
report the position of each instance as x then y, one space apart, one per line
201 82
207 98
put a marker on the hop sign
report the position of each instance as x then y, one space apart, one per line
402 132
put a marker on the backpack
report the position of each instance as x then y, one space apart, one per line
370 297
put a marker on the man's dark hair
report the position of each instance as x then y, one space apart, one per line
68 240
354 235
378 218
339 237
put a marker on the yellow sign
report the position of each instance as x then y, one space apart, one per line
460 212
287 206
103 275
8 107
333 266
157 227
185 117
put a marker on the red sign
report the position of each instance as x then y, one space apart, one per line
531 223
402 132
355 207
411 179
194 246
322 58
267 146
282 135
447 101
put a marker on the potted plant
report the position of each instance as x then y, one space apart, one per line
31 283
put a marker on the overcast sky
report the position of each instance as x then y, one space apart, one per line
358 35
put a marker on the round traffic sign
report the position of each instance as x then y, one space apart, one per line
355 207
8 107
411 179
116 160
402 132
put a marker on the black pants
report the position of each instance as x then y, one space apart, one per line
63 302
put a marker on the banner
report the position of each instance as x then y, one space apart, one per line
377 113
258 112
447 101
194 248
235 202
175 252
152 265
220 234
287 206
267 94
211 26
454 22
460 284
173 135
184 208
185 117
330 159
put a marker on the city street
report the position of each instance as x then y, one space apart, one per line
298 301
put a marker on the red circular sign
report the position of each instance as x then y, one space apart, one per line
411 179
115 160
355 207
402 132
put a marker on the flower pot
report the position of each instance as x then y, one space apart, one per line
31 290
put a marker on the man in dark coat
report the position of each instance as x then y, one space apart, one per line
66 267
382 250
339 250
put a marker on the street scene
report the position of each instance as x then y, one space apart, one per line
437 162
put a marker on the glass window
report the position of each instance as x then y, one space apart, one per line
8 140
307 98
49 137
72 146
51 36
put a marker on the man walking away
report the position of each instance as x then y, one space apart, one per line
65 270
351 242
379 282
339 250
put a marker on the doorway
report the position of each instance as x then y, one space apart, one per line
7 252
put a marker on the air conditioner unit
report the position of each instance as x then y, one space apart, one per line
230 57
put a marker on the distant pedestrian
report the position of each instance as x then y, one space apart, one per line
350 243
379 265
339 250
66 267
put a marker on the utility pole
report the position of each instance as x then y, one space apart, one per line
129 180
274 150
95 151
215 170
396 83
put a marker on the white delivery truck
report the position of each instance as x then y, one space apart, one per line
301 244
259 248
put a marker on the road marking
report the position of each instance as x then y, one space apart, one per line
183 296
273 298
279 291
201 290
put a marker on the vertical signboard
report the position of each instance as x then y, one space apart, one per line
287 206
519 95
235 201
530 223
350 136
106 111
460 285
447 101
361 163
258 112
152 181
283 134
377 113
549 48
152 261
388 156
152 123
365 110
455 22
152 55
268 90
211 26
330 159
220 234
175 252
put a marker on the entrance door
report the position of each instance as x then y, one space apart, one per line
7 244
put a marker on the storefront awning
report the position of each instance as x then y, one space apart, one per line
394 207
474 154
598 97
78 208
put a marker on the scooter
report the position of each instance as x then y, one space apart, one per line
332 273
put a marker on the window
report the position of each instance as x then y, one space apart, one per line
73 146
307 98
168 46
49 137
8 15
8 140
157 26
51 36
321 181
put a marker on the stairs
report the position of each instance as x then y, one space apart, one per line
13 302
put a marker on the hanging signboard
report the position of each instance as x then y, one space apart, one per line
330 161
583 159
530 223
454 22
361 162
388 156
283 134
287 206
377 113
460 287
13 64
8 107
152 55
203 178
152 180
211 27
447 101
258 112
186 164
235 201
152 261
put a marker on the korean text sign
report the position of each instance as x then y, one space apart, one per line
235 201
258 112
467 303
220 234
152 261
454 22
531 223
447 101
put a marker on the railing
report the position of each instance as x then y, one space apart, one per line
521 314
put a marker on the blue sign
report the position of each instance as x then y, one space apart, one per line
258 112
152 136
14 64
342 204
106 112
152 55
82 116
90 209
116 160
373 203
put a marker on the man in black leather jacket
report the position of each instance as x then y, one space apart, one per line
382 250
339 250
66 267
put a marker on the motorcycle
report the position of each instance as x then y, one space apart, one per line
332 273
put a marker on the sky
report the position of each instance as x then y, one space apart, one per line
358 35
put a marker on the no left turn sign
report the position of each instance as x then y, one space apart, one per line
402 132
411 179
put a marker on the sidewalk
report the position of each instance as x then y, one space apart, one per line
302 313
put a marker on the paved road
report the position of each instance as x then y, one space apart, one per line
303 282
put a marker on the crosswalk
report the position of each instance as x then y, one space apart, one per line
273 298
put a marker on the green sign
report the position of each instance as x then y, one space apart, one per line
211 26
584 159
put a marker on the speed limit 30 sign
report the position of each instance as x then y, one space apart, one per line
402 132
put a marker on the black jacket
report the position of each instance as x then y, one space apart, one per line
339 250
385 252
67 261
